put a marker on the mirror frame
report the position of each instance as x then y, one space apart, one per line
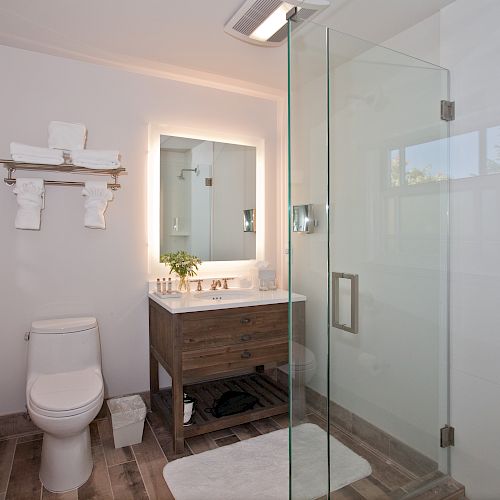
155 268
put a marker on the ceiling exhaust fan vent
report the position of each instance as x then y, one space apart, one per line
256 15
263 22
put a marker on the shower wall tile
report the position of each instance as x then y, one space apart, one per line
340 416
316 401
411 459
371 435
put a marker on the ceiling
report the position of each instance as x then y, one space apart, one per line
187 35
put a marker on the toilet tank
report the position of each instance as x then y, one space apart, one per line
61 345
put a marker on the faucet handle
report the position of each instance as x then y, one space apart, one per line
199 288
225 280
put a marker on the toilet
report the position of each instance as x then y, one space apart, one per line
64 393
303 363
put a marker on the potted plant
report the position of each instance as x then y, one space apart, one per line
183 264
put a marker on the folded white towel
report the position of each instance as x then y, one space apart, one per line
30 200
34 154
98 195
68 136
92 158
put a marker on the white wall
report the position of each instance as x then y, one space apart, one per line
467 41
65 269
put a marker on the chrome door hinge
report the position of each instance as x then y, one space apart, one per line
447 436
290 15
447 110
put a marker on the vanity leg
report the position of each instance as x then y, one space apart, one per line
154 382
178 414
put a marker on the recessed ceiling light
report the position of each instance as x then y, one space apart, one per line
263 22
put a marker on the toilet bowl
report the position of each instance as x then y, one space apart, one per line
64 393
302 364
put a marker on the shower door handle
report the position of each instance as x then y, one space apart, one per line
354 278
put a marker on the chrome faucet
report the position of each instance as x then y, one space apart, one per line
215 284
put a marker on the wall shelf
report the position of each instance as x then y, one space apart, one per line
12 166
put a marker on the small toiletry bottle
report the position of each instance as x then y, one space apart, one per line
163 286
158 285
169 290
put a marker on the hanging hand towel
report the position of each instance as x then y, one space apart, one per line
67 136
30 200
98 195
34 154
92 158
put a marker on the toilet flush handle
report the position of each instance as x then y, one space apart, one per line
27 336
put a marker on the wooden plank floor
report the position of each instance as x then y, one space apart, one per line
136 472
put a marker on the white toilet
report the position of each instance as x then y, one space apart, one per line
303 363
64 393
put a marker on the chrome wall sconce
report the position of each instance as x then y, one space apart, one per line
249 220
303 219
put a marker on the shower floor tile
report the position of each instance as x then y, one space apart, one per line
389 480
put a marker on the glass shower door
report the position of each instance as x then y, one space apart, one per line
388 235
369 158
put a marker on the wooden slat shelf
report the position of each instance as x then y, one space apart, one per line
272 396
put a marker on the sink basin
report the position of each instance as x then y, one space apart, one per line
229 294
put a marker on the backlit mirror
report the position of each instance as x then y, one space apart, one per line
207 198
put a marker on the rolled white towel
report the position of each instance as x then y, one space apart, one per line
98 194
93 158
34 154
30 202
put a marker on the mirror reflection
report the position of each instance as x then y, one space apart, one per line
207 190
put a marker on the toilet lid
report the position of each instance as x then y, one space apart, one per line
66 391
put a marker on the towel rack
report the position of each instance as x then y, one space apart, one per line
12 166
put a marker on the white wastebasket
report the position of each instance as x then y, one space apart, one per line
127 418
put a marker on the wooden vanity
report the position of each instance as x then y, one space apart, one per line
209 352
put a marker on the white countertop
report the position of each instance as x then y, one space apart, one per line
190 302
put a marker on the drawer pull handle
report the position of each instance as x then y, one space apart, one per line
245 321
246 338
246 354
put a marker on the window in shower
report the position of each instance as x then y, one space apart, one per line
493 150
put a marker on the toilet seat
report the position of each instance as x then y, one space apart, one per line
66 394
303 358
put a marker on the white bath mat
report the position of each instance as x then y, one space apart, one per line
257 468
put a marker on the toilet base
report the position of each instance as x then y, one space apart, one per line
66 461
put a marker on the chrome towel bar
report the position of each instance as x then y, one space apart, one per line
12 166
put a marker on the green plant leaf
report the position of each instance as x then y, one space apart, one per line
181 263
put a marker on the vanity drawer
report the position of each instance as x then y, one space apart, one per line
236 356
235 327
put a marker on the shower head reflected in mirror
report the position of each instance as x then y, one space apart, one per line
181 175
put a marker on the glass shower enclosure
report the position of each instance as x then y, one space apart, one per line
368 247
